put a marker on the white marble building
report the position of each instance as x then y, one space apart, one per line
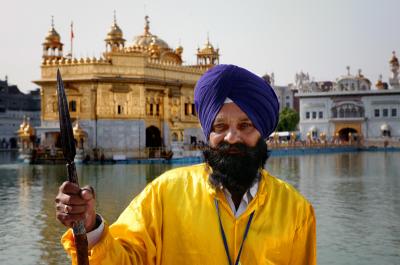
351 105
14 106
285 94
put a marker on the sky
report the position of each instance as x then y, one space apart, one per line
320 37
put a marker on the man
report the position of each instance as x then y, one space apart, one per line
228 210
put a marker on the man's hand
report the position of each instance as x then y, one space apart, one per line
74 204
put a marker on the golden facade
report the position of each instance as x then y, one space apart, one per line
134 97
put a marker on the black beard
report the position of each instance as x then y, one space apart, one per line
236 166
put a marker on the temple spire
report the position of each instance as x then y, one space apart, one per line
348 70
147 25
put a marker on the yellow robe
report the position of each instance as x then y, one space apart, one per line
174 221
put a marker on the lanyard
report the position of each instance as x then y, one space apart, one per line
224 237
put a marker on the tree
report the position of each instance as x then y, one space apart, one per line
288 120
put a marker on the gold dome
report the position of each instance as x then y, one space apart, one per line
179 50
207 56
52 36
28 129
147 38
22 126
115 32
379 84
208 48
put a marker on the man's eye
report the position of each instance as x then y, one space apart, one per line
219 127
245 125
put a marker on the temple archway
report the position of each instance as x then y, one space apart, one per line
344 133
385 130
153 137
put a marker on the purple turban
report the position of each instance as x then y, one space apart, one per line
251 93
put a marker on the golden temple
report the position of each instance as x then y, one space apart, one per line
133 101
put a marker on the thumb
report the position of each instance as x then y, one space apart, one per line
87 193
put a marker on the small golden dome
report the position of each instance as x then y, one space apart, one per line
208 48
22 127
115 32
52 35
28 129
179 50
379 84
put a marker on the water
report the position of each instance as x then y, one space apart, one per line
355 196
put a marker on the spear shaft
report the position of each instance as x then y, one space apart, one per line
69 151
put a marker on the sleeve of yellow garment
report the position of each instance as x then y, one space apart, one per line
304 250
135 238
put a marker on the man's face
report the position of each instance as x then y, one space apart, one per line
236 152
233 126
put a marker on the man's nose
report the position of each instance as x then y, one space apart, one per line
232 136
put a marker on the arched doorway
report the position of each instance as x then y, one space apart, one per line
385 130
174 137
153 137
153 141
344 133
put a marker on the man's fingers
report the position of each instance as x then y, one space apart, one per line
69 188
71 209
87 193
70 199
74 204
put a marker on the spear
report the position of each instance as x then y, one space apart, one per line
68 146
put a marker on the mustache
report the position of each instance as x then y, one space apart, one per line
225 148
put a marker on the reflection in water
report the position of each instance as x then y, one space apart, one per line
355 196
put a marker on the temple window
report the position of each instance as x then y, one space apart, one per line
193 110
320 115
119 109
394 112
334 113
314 114
158 109
151 109
385 112
376 113
341 113
347 112
72 106
186 108
307 115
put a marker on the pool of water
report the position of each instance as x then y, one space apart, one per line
355 196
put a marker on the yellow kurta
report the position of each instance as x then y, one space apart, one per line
174 221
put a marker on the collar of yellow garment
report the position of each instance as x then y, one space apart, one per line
256 202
